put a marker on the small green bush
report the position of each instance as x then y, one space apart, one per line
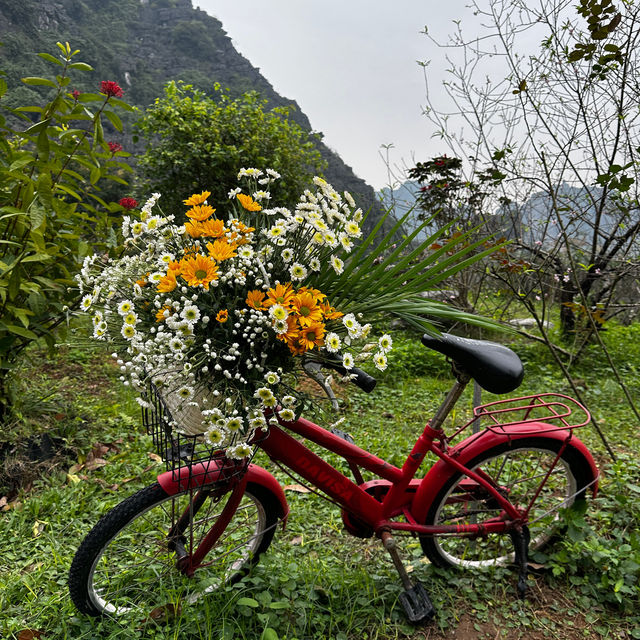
52 159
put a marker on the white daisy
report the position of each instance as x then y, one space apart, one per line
385 343
298 271
380 361
332 343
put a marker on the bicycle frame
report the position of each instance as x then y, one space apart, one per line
404 494
285 449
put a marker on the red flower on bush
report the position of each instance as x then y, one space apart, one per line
114 147
128 203
76 94
111 89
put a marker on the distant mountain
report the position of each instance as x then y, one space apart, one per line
577 207
142 44
402 196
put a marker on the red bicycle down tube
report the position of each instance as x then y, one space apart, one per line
223 520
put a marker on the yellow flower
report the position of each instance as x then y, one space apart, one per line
329 312
194 229
199 270
168 283
305 305
197 198
255 299
221 250
311 336
200 212
316 293
248 203
280 294
222 316
212 228
160 314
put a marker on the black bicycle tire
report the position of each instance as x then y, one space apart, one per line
576 463
117 519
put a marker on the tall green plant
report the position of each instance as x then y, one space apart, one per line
195 142
52 159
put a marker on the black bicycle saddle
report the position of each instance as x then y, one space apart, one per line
493 366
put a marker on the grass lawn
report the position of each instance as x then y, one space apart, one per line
316 581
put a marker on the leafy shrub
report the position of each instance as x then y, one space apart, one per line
600 553
197 143
51 211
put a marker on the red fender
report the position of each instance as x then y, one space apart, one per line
476 444
209 472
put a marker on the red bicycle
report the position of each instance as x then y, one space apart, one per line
489 498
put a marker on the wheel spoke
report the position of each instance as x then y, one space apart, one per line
134 568
518 471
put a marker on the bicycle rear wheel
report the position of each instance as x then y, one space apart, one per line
517 468
127 562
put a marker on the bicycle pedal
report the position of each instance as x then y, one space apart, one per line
417 604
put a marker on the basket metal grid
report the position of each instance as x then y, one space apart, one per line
177 449
548 411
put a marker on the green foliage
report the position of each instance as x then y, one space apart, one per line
600 553
52 159
197 143
602 20
446 192
316 581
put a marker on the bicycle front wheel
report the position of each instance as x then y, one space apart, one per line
128 561
517 469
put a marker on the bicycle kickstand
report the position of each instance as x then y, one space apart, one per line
415 599
521 546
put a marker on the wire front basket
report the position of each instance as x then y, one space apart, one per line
183 454
542 412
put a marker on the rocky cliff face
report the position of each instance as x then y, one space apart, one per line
142 44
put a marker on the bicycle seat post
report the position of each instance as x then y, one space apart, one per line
462 379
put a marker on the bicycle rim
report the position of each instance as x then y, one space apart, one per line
136 568
518 472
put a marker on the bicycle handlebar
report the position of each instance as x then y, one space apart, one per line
359 377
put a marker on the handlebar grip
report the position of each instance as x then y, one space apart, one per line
363 380
359 377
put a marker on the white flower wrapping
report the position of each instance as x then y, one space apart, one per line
219 311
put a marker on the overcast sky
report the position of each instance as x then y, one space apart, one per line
352 67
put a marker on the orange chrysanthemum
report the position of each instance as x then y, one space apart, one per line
221 250
142 281
194 229
160 313
248 203
329 312
312 336
242 228
255 299
316 293
296 347
280 294
200 212
306 309
222 316
212 228
197 198
168 283
199 270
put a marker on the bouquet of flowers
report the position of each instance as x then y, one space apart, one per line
220 313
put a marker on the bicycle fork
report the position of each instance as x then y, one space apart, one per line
187 562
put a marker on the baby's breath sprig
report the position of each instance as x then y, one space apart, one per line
220 311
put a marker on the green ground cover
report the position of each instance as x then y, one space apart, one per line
316 581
